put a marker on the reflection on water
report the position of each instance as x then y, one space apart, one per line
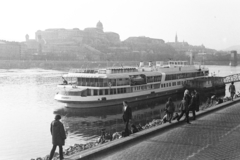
27 109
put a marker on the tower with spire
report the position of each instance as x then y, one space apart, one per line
176 38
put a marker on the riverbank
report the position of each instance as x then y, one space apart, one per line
107 148
115 141
66 65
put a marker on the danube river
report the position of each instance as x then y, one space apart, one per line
27 109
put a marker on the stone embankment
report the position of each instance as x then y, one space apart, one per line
66 65
112 142
58 65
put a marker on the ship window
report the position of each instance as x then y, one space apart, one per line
119 90
156 85
170 84
174 77
106 91
100 82
162 85
166 84
105 82
95 92
150 79
111 91
100 92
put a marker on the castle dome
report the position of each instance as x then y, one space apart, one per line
99 25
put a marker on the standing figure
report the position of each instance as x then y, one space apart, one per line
192 105
187 97
197 100
127 116
232 90
58 136
184 110
170 108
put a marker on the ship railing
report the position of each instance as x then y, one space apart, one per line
90 70
99 84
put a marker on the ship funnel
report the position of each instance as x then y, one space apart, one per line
150 63
141 64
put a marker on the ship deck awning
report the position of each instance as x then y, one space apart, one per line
110 76
76 89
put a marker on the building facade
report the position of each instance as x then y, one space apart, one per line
10 50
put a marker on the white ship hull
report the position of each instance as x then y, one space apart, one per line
114 102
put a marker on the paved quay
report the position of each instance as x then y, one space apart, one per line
215 135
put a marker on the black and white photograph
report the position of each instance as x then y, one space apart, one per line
120 80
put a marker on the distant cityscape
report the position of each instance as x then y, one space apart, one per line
93 44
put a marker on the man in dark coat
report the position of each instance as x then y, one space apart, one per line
192 105
127 116
197 100
58 136
232 90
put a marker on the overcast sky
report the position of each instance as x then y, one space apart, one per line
214 23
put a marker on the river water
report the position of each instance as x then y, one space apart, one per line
27 108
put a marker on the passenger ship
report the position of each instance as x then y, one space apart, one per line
110 86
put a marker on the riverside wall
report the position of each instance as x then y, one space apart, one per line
114 146
66 65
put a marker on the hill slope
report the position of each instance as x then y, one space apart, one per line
236 47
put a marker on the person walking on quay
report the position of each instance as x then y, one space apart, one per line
192 105
58 136
232 90
184 109
197 100
187 97
127 116
170 108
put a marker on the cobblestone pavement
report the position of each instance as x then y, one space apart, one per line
213 137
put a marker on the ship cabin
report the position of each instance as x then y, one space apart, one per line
113 77
111 81
124 80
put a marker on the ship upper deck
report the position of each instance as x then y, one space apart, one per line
125 72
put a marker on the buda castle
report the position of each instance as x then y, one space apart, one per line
74 41
93 44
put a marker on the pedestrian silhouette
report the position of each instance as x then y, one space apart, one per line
232 90
127 116
58 136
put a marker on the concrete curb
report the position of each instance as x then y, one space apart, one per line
94 152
